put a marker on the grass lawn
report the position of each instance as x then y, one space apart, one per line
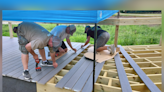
128 35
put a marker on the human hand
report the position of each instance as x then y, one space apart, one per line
74 49
35 56
55 64
82 46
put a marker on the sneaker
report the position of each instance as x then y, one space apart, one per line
48 63
26 75
111 48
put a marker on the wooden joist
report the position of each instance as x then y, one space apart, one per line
140 15
131 21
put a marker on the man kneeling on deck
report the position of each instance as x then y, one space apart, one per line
63 31
32 36
102 38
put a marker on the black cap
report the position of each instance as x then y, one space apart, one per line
86 28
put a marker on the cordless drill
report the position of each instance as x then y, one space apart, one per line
37 62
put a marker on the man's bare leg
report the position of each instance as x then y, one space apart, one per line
25 58
42 53
102 48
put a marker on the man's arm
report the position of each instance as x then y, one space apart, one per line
53 59
88 39
61 50
69 43
29 49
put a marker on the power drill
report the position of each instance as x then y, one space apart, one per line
37 62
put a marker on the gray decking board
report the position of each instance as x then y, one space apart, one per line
45 70
8 48
31 68
82 80
60 61
64 57
11 56
38 75
19 69
8 66
77 75
73 75
12 52
55 71
14 63
13 60
11 69
10 45
12 42
9 61
88 86
151 86
64 80
19 74
124 82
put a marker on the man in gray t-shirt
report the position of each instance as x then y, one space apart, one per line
32 36
63 31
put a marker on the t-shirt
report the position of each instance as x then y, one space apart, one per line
34 33
60 31
91 33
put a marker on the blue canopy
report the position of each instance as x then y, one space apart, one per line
57 16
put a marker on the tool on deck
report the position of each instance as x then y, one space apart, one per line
37 62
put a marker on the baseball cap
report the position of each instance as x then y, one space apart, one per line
56 43
86 28
72 29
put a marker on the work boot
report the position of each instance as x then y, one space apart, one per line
26 75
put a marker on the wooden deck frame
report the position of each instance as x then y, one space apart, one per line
144 78
108 80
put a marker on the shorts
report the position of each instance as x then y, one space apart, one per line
22 43
23 49
63 46
102 39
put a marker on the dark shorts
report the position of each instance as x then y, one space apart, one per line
63 46
102 39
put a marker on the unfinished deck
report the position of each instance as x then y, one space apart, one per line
74 72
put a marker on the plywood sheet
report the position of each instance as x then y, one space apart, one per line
100 56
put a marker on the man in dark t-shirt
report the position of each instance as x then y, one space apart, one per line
102 38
